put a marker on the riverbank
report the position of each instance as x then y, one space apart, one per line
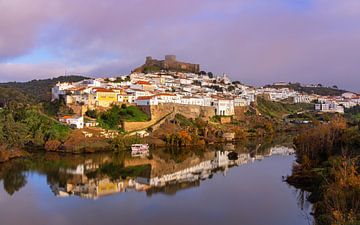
6 154
328 167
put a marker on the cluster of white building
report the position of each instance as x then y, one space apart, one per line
185 88
337 103
158 88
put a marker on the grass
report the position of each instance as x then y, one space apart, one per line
183 121
277 110
58 132
112 118
134 114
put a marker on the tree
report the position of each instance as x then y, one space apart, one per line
231 88
210 74
91 113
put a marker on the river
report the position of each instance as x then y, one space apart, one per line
202 186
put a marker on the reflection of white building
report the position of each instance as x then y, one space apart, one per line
281 150
201 171
81 185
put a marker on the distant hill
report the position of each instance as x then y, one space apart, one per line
311 90
9 95
37 90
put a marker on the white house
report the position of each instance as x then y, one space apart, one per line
302 98
329 107
224 107
74 121
348 95
60 89
167 98
187 100
147 100
240 102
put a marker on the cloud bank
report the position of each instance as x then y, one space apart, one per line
254 41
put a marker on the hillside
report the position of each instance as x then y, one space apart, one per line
11 95
311 90
277 110
38 90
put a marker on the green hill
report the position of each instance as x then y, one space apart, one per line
277 110
311 90
38 90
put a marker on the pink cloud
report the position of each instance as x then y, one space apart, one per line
256 41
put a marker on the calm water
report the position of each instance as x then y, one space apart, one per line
168 187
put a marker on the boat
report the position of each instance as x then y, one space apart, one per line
139 149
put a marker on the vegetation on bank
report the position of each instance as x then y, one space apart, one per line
26 126
329 168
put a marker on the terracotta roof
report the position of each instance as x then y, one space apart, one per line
165 94
143 82
102 90
77 88
145 97
66 117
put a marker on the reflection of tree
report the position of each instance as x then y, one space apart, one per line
304 205
14 179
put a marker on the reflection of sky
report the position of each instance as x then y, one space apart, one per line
252 194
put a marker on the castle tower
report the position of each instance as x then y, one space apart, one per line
148 59
170 58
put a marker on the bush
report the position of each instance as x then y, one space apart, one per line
91 114
113 118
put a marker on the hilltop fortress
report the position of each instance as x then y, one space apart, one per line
170 63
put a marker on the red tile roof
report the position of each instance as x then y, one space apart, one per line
165 94
102 90
145 97
142 82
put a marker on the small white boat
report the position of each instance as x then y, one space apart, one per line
139 149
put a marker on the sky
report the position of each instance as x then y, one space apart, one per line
254 41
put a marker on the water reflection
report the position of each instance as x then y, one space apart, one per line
163 171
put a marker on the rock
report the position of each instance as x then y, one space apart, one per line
52 145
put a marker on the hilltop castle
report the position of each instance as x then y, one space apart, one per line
170 63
